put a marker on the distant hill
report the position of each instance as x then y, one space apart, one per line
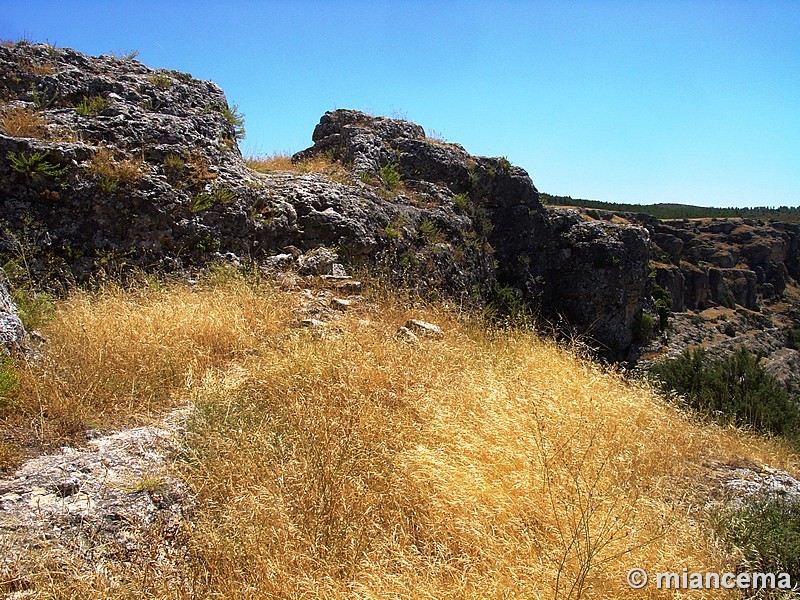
784 214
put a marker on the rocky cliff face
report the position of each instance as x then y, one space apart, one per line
591 277
106 164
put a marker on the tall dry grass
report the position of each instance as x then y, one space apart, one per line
320 163
490 464
118 357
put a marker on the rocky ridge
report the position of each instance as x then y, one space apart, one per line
130 167
124 167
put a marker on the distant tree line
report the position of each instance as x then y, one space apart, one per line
785 214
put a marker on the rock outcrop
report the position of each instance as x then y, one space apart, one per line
114 500
12 333
108 165
589 276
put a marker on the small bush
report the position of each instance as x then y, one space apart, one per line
9 380
22 122
733 390
201 202
430 232
765 531
111 172
92 106
506 304
40 68
34 308
235 118
161 79
174 166
390 173
663 301
644 328
200 170
124 55
793 338
35 163
461 201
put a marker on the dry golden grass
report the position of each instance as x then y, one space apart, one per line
40 68
490 464
279 161
320 163
111 171
22 122
119 357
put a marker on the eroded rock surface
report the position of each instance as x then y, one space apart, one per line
134 167
113 499
12 333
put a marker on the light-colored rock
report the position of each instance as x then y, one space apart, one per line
12 333
341 303
116 492
405 334
313 323
424 329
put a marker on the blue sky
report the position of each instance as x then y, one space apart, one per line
691 102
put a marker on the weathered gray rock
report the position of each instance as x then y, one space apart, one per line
745 484
12 333
423 328
115 498
153 178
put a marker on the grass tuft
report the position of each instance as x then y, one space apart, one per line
22 122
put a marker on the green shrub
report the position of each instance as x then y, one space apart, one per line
733 390
201 202
91 106
35 309
793 338
663 301
644 328
236 119
506 304
766 531
9 381
430 232
35 163
390 173
461 201
161 79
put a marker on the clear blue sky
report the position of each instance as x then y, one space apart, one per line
693 102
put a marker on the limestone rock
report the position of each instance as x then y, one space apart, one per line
424 329
115 497
12 333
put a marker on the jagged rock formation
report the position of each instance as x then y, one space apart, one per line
12 333
106 164
120 166
591 276
731 261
